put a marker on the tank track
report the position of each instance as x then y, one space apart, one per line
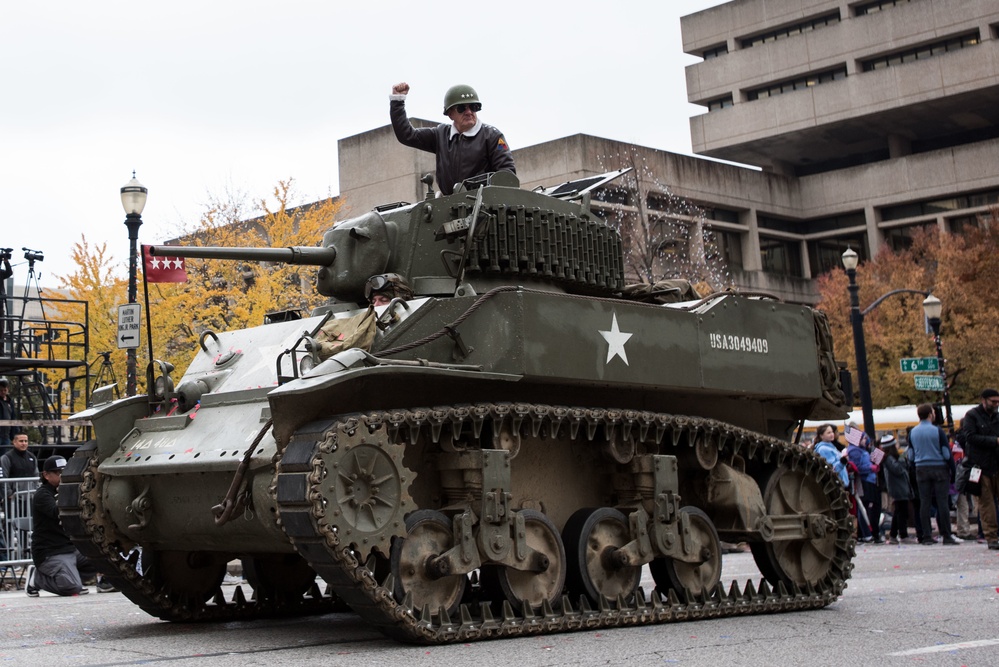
302 508
95 535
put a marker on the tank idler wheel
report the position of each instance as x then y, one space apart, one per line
279 576
690 580
805 561
519 586
428 534
193 574
591 536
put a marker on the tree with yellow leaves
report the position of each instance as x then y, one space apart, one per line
218 295
223 295
959 269
96 282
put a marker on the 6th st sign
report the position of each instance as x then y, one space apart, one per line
128 326
919 364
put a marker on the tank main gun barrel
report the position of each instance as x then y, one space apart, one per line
301 255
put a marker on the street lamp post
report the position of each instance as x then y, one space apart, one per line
850 261
932 308
133 199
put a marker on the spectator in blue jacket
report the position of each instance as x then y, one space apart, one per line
828 448
867 472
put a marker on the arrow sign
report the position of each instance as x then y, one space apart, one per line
129 317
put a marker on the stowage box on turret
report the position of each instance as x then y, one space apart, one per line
500 454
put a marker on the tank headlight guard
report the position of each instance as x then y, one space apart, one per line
159 384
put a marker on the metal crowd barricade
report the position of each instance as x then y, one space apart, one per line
15 521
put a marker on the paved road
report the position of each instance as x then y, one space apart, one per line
905 605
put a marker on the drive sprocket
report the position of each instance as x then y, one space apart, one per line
366 487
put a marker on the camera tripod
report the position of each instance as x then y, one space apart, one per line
105 374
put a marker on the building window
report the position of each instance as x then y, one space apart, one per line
965 223
801 83
714 52
791 30
874 7
900 238
781 256
721 214
725 246
937 206
720 103
921 52
827 254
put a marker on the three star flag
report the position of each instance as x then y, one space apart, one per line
163 269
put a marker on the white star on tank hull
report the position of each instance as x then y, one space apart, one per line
615 342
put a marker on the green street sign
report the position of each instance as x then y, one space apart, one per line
919 364
929 382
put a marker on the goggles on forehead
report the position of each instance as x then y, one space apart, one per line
375 285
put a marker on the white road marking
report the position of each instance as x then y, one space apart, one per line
943 648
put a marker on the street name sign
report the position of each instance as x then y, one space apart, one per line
929 382
129 317
919 364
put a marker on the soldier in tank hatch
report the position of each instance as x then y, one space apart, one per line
465 148
379 290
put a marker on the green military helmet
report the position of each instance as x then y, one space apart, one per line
460 94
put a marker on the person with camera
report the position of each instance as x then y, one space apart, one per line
58 566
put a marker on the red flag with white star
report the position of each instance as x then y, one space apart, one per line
163 269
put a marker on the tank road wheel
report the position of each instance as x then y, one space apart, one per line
525 586
193 574
805 561
279 577
692 579
591 536
428 534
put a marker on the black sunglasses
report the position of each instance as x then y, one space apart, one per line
475 107
374 285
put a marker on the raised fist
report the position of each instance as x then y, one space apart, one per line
400 89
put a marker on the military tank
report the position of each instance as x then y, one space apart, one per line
502 455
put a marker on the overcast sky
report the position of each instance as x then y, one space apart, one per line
209 96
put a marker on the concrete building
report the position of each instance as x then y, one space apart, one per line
865 120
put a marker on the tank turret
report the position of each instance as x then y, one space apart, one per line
503 453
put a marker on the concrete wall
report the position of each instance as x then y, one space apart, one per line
376 169
850 116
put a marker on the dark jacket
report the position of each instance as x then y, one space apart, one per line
458 158
19 464
980 436
47 536
896 472
8 411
